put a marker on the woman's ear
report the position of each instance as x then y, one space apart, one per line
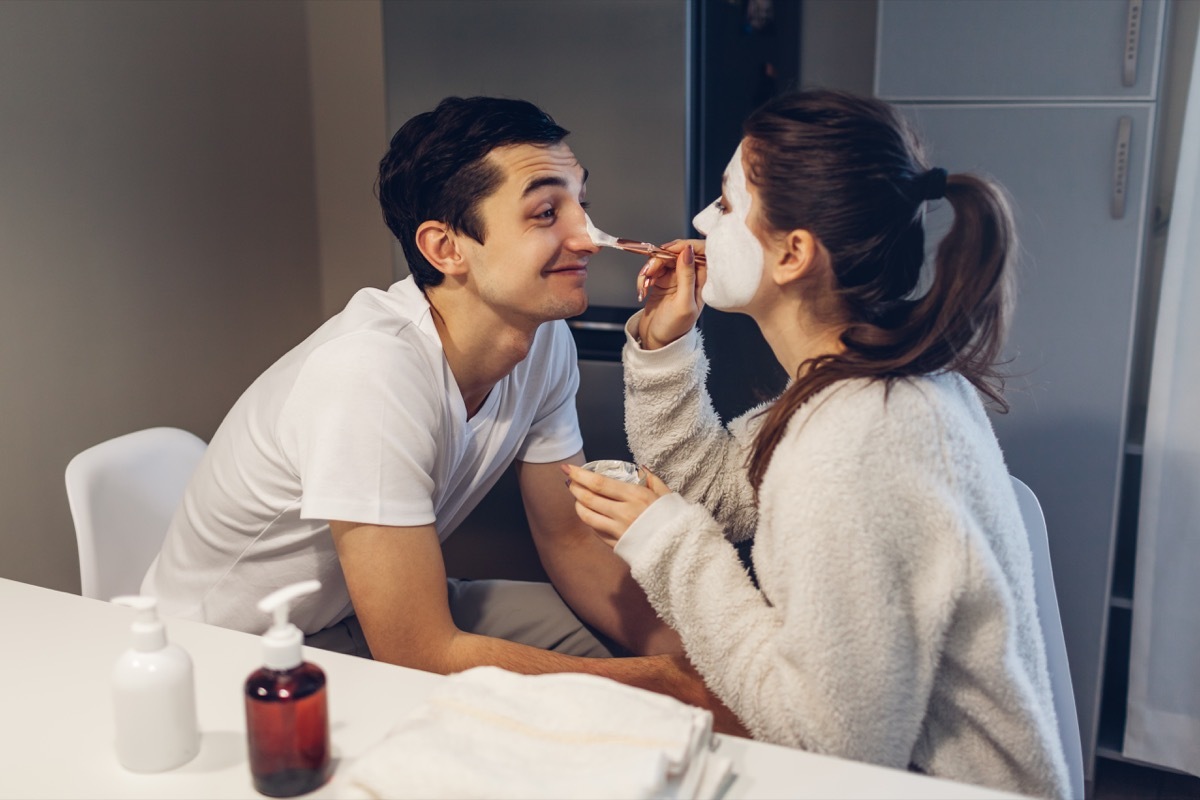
438 244
799 256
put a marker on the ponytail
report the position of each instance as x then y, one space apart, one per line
958 324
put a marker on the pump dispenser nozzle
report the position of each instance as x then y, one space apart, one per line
148 631
282 641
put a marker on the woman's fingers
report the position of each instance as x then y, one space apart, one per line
701 274
607 505
654 483
608 530
660 266
677 245
648 276
685 266
597 484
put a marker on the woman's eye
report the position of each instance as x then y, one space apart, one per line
719 205
549 213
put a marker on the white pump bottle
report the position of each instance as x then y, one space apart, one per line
154 696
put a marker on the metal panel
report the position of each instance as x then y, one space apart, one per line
1018 49
1072 336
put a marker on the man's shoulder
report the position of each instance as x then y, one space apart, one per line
391 324
400 310
372 355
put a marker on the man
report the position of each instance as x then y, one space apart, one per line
354 455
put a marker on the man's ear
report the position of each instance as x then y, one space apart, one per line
799 256
438 244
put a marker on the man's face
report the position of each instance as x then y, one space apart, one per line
532 266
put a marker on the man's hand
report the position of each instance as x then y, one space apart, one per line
724 720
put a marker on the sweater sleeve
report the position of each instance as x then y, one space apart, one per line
673 429
858 551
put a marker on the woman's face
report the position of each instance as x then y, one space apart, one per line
734 254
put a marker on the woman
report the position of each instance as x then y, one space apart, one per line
891 617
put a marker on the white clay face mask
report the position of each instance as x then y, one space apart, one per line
734 254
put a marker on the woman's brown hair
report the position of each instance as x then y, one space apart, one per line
849 170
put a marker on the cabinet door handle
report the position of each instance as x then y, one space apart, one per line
1133 25
1121 166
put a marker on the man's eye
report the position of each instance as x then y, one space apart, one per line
549 213
585 205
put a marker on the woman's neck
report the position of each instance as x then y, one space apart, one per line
796 337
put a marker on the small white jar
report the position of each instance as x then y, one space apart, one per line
623 471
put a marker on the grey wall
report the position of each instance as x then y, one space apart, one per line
350 134
157 233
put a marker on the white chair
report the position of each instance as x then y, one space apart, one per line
123 493
1056 646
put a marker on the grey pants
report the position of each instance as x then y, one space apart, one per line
519 611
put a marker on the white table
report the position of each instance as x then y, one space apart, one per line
56 726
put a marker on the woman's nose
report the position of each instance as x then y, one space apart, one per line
705 219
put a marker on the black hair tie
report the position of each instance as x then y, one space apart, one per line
932 185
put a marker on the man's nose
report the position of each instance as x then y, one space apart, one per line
579 241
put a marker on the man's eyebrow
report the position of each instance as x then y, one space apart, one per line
548 180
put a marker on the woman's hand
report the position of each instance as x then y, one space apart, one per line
610 506
672 290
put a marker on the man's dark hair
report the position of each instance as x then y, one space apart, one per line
436 167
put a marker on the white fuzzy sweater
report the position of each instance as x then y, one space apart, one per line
894 621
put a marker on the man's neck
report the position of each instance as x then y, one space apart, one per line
480 346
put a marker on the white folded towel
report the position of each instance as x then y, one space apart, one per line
489 733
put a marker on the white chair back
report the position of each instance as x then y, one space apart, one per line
123 493
1056 645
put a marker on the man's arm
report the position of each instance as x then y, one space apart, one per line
397 583
591 578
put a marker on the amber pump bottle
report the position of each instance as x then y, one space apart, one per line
287 720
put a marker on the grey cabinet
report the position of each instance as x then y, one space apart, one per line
1019 49
1072 336
985 83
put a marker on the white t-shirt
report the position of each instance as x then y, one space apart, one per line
361 422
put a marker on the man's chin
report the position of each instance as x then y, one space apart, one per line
571 307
